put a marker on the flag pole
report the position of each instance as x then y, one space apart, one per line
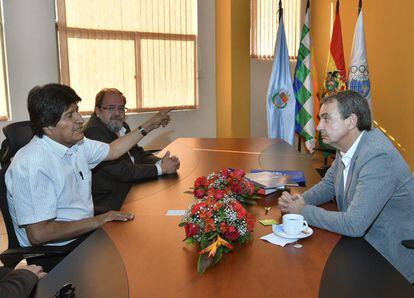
280 10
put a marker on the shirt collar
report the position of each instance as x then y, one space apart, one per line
347 156
122 131
59 149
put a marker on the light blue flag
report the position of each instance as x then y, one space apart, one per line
280 97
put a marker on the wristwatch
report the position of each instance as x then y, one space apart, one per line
142 130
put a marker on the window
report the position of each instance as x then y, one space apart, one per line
4 102
145 48
264 24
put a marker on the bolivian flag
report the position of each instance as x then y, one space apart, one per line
335 79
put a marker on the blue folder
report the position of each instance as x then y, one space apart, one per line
295 176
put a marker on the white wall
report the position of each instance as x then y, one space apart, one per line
31 49
259 80
32 60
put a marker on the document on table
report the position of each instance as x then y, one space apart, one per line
175 212
274 239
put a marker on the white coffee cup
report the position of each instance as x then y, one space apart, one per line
294 224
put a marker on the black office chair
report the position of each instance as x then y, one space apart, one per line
408 243
15 253
18 134
327 152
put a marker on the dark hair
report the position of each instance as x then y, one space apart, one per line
47 103
101 94
351 102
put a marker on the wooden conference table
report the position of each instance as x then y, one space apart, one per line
159 264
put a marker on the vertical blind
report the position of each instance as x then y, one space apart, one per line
145 48
264 24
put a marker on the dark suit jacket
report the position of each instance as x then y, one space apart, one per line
111 180
16 283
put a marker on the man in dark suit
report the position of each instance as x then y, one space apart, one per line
112 180
19 282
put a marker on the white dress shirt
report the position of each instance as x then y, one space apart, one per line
347 157
47 180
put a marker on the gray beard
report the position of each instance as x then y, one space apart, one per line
113 128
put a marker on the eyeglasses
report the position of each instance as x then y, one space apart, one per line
112 109
66 291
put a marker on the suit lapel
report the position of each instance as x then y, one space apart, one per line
353 162
350 173
339 188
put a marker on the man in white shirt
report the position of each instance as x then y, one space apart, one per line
370 180
49 179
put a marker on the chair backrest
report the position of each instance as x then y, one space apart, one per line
17 134
11 234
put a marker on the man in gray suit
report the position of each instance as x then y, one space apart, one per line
372 184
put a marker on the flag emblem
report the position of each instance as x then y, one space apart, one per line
280 99
334 82
359 80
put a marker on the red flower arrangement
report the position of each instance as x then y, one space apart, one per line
218 220
227 182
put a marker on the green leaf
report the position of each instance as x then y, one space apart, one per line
182 224
189 241
204 261
247 202
212 236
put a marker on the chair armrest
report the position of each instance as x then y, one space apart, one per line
326 150
152 151
408 243
98 210
11 257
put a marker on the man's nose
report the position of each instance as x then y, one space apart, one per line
79 118
117 111
319 127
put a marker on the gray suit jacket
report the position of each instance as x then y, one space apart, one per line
378 201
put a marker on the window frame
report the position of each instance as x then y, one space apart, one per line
7 116
62 32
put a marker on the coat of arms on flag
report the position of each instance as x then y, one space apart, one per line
280 99
334 82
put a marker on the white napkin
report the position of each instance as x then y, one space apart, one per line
275 239
175 212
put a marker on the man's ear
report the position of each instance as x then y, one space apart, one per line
353 120
47 130
97 111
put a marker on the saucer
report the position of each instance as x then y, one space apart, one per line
278 230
